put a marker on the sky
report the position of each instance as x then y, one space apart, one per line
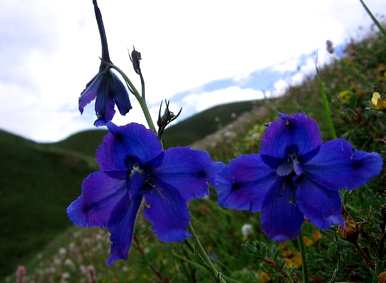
197 53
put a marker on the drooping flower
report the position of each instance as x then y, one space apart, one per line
295 176
106 88
134 168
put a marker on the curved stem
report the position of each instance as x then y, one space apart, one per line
303 252
373 18
141 100
218 275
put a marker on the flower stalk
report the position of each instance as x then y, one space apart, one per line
218 275
142 101
373 18
304 260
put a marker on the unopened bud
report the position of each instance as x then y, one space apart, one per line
135 58
349 230
330 47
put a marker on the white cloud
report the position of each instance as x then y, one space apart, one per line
52 48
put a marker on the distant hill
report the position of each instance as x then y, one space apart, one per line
183 133
35 187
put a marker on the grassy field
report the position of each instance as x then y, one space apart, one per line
332 256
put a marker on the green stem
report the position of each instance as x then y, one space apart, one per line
327 108
140 99
304 262
376 22
218 275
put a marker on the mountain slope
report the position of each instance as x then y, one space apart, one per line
35 187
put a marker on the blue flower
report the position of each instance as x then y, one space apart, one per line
105 87
294 177
108 90
134 169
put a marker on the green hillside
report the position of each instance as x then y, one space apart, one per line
206 122
184 132
35 187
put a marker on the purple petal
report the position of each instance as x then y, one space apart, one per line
280 217
243 184
320 205
366 165
104 109
168 214
338 166
297 131
89 93
186 170
122 220
100 194
130 141
120 95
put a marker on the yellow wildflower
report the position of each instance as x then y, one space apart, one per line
344 96
307 241
316 235
264 277
292 259
382 277
377 101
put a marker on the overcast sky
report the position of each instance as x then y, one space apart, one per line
199 53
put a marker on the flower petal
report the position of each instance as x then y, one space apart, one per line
366 165
100 194
90 92
122 220
320 205
338 166
132 141
168 214
280 217
104 109
297 131
243 184
188 171
120 95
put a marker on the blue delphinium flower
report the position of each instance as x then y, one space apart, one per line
294 177
134 169
105 87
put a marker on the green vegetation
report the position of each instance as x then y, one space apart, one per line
36 185
355 253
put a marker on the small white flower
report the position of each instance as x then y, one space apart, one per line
62 251
247 230
68 262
